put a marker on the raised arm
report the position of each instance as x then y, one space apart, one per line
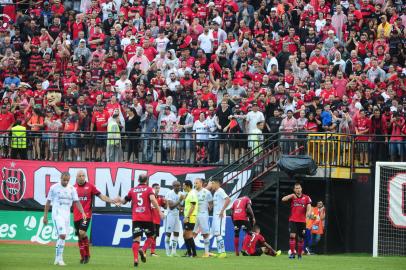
288 197
172 205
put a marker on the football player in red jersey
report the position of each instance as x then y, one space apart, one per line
85 191
142 198
243 218
155 218
258 246
300 205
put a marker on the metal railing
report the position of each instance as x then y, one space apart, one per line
330 149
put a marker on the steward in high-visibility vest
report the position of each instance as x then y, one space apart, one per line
18 141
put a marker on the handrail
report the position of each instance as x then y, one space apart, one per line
260 175
251 165
232 165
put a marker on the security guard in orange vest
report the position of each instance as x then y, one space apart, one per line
315 226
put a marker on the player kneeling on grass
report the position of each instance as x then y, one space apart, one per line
258 246
220 203
86 192
61 196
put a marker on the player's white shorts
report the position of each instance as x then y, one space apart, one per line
218 225
61 224
202 224
172 224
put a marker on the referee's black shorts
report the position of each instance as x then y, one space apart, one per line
81 225
298 228
189 226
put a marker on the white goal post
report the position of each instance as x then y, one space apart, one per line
389 237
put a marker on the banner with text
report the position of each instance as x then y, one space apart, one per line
29 226
25 184
116 231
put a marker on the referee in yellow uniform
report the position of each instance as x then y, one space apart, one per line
189 220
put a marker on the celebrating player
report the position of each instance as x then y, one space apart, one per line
220 203
142 197
61 196
85 191
189 219
241 215
205 203
172 222
300 205
156 219
258 246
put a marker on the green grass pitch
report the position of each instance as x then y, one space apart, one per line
15 257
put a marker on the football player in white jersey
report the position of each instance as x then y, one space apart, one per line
61 196
173 199
220 203
205 204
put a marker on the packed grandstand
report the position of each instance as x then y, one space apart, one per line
202 81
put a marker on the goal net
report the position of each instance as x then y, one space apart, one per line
390 209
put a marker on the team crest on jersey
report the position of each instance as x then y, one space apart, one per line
13 184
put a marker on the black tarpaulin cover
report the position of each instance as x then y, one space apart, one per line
301 164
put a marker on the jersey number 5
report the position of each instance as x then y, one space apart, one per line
140 200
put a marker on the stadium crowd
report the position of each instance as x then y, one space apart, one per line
199 73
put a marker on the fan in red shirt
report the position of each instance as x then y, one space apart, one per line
156 218
100 120
6 123
142 198
258 246
86 192
292 41
300 208
362 126
243 218
319 59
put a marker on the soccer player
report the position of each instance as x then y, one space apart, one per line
258 246
220 203
174 199
156 219
142 197
242 217
85 191
300 205
61 196
205 203
189 220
